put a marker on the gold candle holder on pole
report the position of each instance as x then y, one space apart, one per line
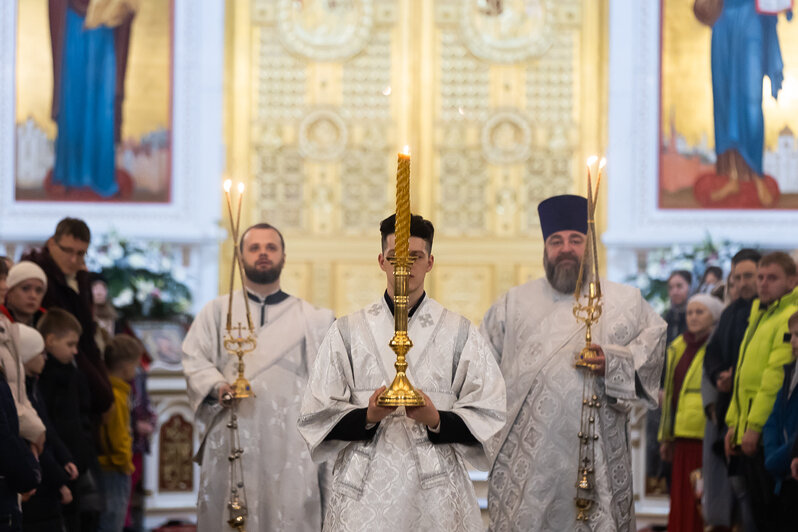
238 341
588 313
401 392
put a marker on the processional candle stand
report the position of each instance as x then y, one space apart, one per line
588 312
238 341
401 392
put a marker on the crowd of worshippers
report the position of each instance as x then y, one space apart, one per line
75 418
320 452
725 438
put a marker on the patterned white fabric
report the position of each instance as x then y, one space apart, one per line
535 337
400 480
281 480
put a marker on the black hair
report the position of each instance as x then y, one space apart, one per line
715 270
419 227
684 274
746 254
262 225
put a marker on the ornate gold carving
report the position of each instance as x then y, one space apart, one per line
506 137
356 285
465 289
280 186
175 449
322 135
508 31
325 30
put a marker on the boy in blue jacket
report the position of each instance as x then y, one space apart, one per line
779 437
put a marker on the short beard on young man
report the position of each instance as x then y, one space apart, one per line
561 275
263 276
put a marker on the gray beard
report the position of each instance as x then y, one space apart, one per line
562 277
266 276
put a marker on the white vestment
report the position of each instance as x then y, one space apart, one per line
535 336
400 480
281 480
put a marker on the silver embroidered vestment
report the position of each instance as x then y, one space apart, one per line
536 337
400 480
281 480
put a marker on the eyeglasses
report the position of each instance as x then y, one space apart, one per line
77 253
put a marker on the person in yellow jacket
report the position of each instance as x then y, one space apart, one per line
122 357
681 429
758 378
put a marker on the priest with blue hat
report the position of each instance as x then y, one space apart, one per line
536 339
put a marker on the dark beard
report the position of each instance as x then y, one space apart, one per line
263 276
562 277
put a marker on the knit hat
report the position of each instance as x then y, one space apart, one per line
30 343
713 304
24 270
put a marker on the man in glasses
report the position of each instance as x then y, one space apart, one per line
68 287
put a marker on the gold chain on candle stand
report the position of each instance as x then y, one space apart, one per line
589 314
401 392
238 344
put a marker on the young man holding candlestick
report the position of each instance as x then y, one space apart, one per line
403 464
535 338
282 481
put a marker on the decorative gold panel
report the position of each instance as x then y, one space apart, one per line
500 103
356 285
296 278
464 289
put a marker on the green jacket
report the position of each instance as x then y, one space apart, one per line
759 373
690 420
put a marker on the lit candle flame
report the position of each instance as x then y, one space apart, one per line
227 184
602 163
406 150
241 188
592 160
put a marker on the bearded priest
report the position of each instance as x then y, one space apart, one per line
536 338
280 479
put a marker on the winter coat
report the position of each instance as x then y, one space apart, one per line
760 367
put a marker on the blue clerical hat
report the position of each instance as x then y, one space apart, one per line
563 213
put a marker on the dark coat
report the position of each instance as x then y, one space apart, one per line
45 505
64 394
79 304
723 350
19 470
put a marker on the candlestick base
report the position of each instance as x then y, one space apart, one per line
586 359
400 393
242 389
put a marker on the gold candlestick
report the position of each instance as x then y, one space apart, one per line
401 392
238 345
588 313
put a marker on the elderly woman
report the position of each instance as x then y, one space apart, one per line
681 430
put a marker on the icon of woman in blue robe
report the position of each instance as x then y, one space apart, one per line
745 49
90 40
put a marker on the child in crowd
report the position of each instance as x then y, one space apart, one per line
42 513
122 358
27 285
64 389
779 437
